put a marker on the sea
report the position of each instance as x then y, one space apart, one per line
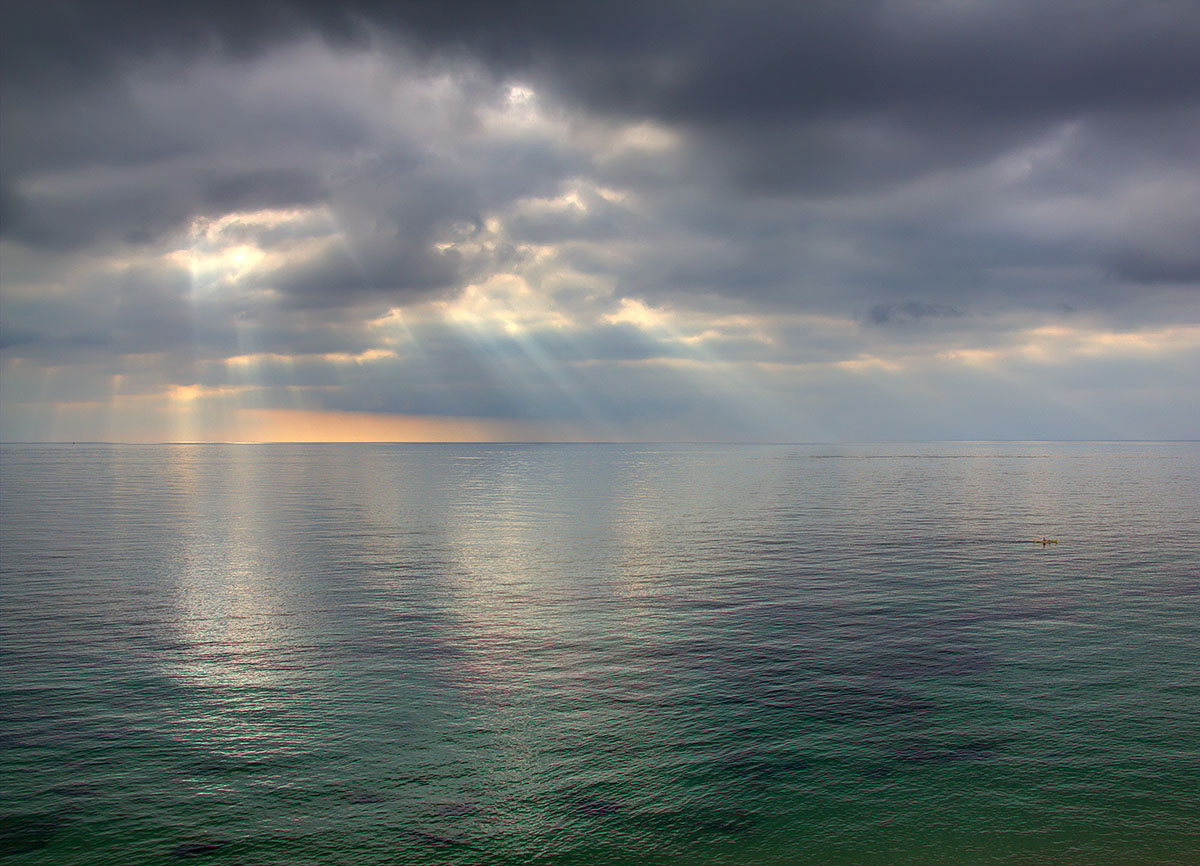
600 654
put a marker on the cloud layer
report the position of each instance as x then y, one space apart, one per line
715 221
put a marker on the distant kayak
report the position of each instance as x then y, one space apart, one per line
1044 541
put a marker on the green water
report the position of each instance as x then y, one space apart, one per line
600 654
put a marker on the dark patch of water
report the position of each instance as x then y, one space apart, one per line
938 753
76 791
847 703
221 766
22 833
430 837
935 661
596 807
755 765
188 850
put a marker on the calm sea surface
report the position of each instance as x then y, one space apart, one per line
600 654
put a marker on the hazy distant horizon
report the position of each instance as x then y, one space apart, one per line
743 442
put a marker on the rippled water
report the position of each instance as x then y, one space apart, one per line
600 654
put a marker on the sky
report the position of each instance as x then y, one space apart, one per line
822 221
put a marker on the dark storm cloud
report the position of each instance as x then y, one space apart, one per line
149 206
816 99
1146 266
260 188
696 59
136 158
395 213
941 67
130 310
910 311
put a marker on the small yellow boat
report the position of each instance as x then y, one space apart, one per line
1045 541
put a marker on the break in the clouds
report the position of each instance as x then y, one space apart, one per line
293 220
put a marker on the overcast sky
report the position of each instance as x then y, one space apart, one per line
919 219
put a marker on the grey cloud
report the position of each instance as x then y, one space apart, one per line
384 269
601 221
1147 266
261 188
909 312
132 310
704 59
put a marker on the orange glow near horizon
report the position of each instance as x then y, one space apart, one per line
300 425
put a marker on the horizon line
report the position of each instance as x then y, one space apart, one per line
585 441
